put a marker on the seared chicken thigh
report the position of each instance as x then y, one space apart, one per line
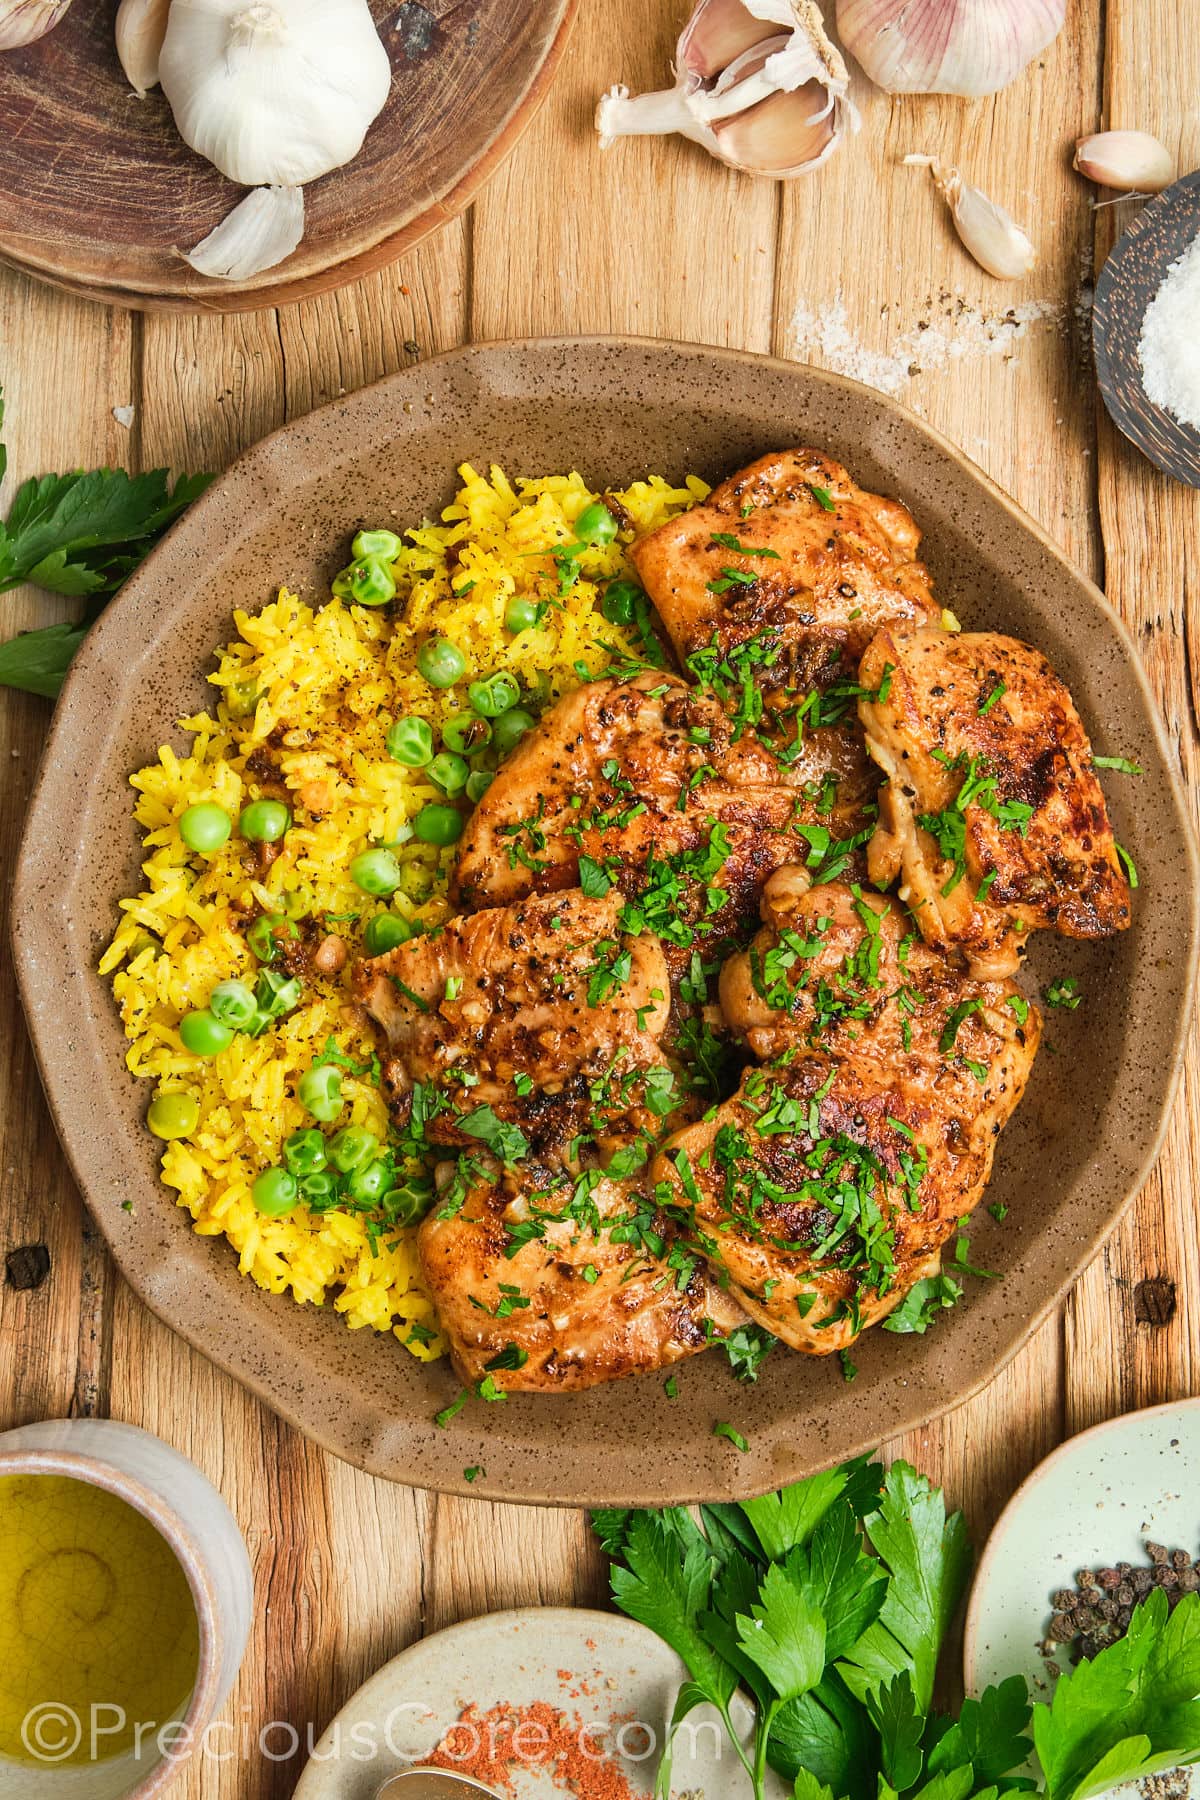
522 1009
790 567
591 1296
645 784
525 1039
992 815
827 1186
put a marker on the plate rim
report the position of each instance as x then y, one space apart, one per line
360 1441
1061 1452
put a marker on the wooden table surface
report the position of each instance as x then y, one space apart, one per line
650 238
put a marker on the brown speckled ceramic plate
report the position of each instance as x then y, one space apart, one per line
1079 1147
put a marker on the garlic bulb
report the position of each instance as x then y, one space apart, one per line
275 93
992 236
966 47
758 83
24 21
141 28
1125 160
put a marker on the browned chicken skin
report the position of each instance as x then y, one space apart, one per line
582 1305
823 565
526 1039
826 1188
648 780
1030 847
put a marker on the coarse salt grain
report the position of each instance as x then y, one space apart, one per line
954 331
1169 347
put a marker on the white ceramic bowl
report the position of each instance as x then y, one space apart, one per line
191 1516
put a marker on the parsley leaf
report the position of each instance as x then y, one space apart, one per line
747 1348
504 1140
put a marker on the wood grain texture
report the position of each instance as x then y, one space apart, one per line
652 238
98 191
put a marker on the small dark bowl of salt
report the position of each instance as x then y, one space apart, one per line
1146 331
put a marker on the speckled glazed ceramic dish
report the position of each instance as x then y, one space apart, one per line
1081 1142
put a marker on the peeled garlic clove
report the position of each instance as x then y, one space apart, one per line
759 85
25 21
1126 160
966 47
992 235
141 28
260 231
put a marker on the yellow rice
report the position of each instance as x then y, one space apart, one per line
331 678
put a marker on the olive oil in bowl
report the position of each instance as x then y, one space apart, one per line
95 1613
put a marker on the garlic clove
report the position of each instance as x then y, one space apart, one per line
717 35
141 28
25 21
777 103
783 135
966 47
261 230
992 235
1125 160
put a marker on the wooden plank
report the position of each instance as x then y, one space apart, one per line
52 1335
651 237
1133 1325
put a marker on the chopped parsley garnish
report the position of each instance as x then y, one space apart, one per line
1121 764
1064 993
822 496
849 1366
671 1388
960 1014
723 1429
505 1140
476 1469
997 693
612 968
1128 864
403 988
923 1303
747 1348
731 578
531 830
594 879
1020 1007
728 541
948 827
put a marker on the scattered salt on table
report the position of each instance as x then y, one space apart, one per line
1169 347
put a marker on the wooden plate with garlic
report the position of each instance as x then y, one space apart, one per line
280 147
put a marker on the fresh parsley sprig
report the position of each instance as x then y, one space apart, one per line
829 1603
79 534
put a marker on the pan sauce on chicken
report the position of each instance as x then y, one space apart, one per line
592 1221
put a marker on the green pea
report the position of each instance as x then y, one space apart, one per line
275 1192
450 772
320 1190
173 1115
261 936
385 931
319 1092
241 699
370 1183
438 825
408 1205
264 821
352 1148
383 544
367 582
203 1034
277 994
299 903
205 827
495 695
410 741
478 783
619 605
304 1152
509 727
466 732
232 1003
521 614
441 662
595 524
375 872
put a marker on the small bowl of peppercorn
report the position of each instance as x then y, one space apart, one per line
1103 1535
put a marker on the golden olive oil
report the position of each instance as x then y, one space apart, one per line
94 1611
